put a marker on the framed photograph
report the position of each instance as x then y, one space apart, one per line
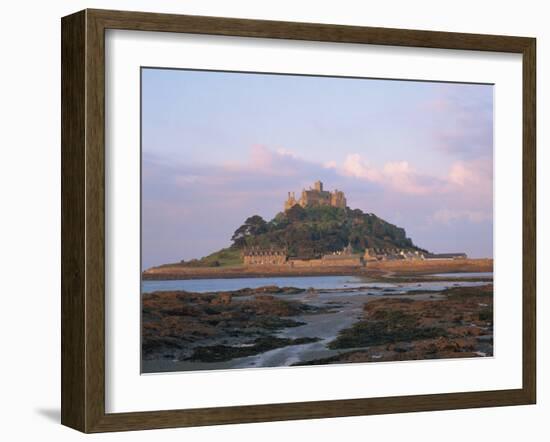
268 220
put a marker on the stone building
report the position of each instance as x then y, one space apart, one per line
316 196
259 256
391 254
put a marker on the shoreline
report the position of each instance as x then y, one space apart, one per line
396 268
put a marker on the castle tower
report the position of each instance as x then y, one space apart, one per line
337 199
291 201
317 196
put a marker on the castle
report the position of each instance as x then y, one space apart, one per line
316 196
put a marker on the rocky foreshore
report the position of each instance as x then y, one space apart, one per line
219 327
208 327
460 325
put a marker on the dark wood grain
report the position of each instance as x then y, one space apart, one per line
145 21
308 410
83 220
529 221
95 222
73 254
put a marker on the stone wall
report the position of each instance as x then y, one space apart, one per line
351 261
305 262
343 262
440 266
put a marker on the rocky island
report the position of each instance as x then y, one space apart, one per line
317 234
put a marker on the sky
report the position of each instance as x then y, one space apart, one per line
218 147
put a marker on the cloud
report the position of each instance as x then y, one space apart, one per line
478 173
474 176
356 166
189 200
471 184
460 174
259 180
446 216
403 178
262 160
398 176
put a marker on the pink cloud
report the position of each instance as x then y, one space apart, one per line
261 159
403 178
471 183
398 176
477 172
473 178
460 174
357 167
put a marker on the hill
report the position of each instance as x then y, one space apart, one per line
310 232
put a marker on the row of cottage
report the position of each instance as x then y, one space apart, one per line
259 256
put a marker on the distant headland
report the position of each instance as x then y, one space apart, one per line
316 234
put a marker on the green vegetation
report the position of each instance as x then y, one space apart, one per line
230 256
314 231
308 233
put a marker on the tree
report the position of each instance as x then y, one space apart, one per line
253 226
314 231
296 213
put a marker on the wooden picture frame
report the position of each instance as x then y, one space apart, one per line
83 220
